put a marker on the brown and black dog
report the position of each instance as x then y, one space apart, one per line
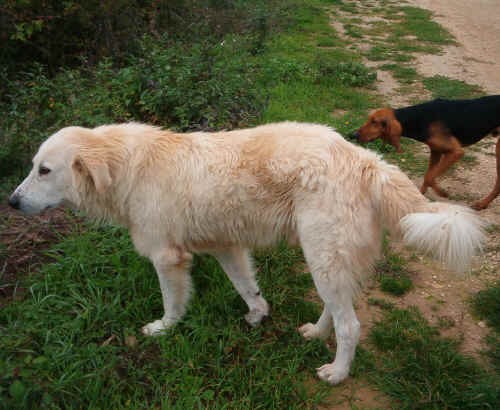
446 126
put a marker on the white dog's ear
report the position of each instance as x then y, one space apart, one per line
84 166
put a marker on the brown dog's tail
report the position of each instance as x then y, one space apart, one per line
450 233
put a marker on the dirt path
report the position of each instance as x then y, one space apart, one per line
476 57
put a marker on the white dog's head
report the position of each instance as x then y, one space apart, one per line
59 167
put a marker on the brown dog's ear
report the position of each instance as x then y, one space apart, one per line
84 165
393 132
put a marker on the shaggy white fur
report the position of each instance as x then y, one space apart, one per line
224 193
451 236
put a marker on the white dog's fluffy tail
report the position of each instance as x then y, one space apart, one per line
450 233
453 234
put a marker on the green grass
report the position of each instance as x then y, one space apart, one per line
392 272
421 370
405 75
306 82
66 343
409 30
418 22
395 40
445 87
486 305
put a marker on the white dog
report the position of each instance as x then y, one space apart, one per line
226 192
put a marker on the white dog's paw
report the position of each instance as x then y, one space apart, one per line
156 328
255 316
311 331
333 373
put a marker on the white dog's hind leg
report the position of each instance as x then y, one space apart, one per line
347 331
237 264
321 329
172 267
329 255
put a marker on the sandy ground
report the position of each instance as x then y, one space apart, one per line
475 24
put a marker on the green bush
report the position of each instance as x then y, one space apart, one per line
200 72
60 33
205 85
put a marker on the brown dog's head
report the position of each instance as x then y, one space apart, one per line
381 124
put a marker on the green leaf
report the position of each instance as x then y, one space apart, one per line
17 390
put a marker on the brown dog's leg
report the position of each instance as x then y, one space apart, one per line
483 203
451 151
433 161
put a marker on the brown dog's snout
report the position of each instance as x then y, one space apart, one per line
354 135
361 135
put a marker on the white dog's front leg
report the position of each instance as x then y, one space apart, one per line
172 267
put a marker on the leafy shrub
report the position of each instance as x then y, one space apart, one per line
205 85
61 33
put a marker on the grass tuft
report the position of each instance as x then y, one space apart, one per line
420 370
444 87
392 273
486 305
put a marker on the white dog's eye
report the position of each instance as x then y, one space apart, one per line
43 170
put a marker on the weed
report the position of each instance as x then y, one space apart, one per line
381 303
445 322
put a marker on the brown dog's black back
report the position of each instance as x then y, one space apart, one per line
466 120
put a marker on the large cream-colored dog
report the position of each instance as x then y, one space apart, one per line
224 193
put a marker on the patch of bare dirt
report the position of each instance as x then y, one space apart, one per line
476 58
355 395
386 84
23 242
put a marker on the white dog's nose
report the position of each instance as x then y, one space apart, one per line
14 201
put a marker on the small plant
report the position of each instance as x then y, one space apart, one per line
486 305
397 285
392 272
